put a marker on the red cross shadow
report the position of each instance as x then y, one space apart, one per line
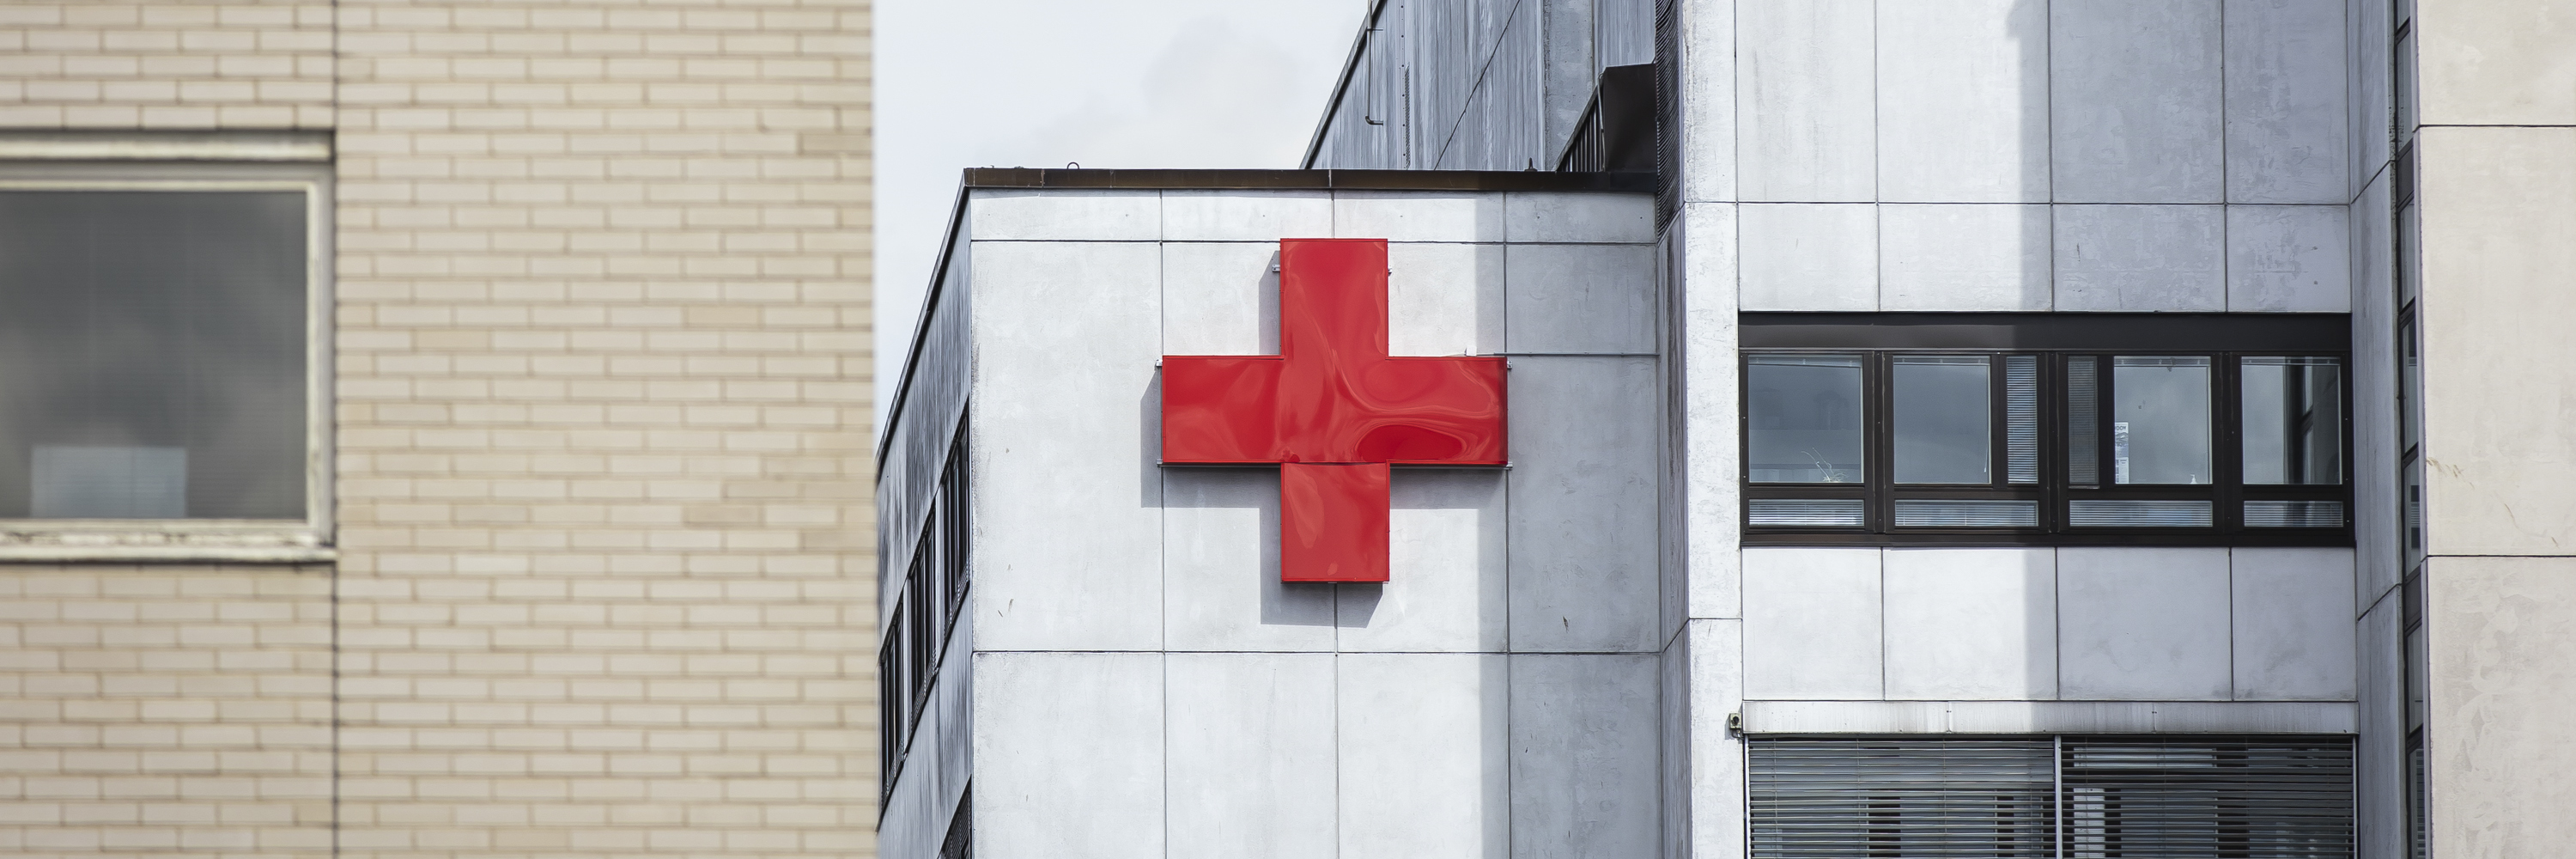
1333 410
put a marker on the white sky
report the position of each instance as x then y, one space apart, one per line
1108 83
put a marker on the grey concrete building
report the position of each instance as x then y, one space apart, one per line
1993 428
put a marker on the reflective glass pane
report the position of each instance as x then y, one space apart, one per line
1943 419
2160 419
1803 418
2293 412
152 351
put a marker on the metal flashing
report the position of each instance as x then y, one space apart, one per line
1292 180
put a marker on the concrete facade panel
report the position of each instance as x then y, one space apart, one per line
1578 299
1245 216
1065 216
1812 624
1221 298
2293 619
1424 756
1583 515
1036 796
2286 112
1808 257
1221 588
1075 561
2294 259
2499 630
1445 298
1531 216
2141 258
1446 590
2135 100
1965 258
1714 799
2143 624
1806 78
1399 216
1705 503
1972 624
1251 750
2497 62
1962 103
2496 258
1584 756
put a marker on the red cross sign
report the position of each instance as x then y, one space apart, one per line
1332 410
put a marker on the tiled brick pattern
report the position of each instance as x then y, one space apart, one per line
604 448
161 711
180 64
603 464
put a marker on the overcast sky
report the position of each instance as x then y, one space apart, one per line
1107 83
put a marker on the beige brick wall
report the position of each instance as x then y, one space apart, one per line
602 392
182 64
165 711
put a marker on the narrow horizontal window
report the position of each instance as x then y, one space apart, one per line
2294 514
1911 446
2138 513
1958 513
1807 512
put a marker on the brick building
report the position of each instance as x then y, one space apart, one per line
533 517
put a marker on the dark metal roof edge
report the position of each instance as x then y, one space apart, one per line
1333 102
920 330
1346 180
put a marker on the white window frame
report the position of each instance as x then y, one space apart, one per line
266 162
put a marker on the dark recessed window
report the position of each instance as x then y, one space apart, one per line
154 354
2045 445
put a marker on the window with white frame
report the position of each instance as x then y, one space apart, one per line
158 361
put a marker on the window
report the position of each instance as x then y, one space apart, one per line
2097 443
917 633
2261 797
157 360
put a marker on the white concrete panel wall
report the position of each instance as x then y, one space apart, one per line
1585 752
2098 105
1038 796
1806 69
1962 102
1583 519
2134 89
1062 329
1316 719
1963 625
1972 624
1799 256
1249 738
2285 102
1817 635
2136 259
2143 624
1423 751
2295 259
2293 620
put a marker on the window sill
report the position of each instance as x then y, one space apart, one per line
30 542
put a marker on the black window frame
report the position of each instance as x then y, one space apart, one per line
2054 340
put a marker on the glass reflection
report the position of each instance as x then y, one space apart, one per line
1943 420
2293 420
2160 419
1803 417
152 354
